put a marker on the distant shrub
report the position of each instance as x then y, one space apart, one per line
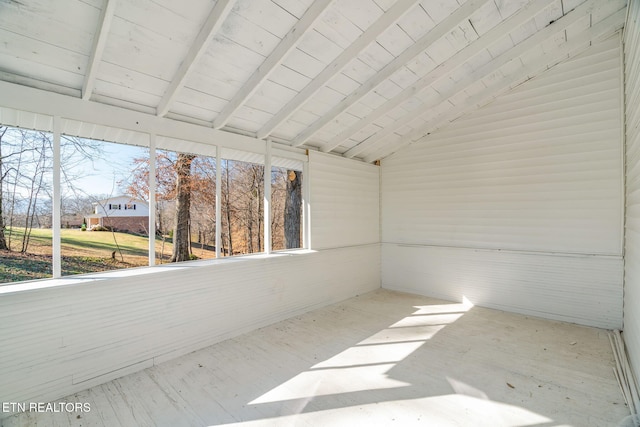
101 228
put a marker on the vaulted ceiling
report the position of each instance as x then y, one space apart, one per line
359 78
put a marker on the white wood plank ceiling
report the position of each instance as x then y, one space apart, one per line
359 78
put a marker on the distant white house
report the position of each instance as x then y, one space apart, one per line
123 213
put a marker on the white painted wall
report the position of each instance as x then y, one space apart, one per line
56 340
632 232
345 199
518 206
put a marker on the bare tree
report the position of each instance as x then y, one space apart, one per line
181 234
293 209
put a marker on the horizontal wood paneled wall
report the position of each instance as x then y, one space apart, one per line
632 241
543 285
57 340
538 170
345 199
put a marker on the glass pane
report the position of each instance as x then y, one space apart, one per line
242 207
286 208
185 211
105 209
26 159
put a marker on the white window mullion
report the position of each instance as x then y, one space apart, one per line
152 199
267 198
57 197
218 202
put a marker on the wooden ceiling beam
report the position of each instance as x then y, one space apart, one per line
397 11
99 42
439 31
530 42
441 71
208 31
577 45
286 45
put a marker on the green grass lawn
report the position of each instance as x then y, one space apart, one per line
82 252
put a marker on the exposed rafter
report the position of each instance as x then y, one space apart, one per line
288 43
100 40
399 9
499 31
496 33
211 26
569 49
439 31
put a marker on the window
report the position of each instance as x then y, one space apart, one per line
242 207
105 211
286 208
98 233
185 206
25 204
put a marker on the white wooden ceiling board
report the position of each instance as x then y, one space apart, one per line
239 122
267 15
257 117
222 89
289 78
416 23
359 110
525 31
247 34
606 9
404 77
388 89
485 18
40 52
303 63
113 90
553 42
189 110
365 133
568 5
166 23
440 50
375 56
361 13
295 7
421 64
131 79
549 15
578 27
270 97
509 7
137 48
22 71
373 99
462 35
343 84
195 12
439 10
127 105
335 27
318 46
501 46
394 40
69 24
359 71
202 100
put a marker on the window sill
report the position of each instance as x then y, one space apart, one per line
80 279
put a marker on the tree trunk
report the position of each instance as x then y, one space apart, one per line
181 247
3 240
293 210
228 213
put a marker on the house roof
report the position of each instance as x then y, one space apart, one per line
358 78
128 198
